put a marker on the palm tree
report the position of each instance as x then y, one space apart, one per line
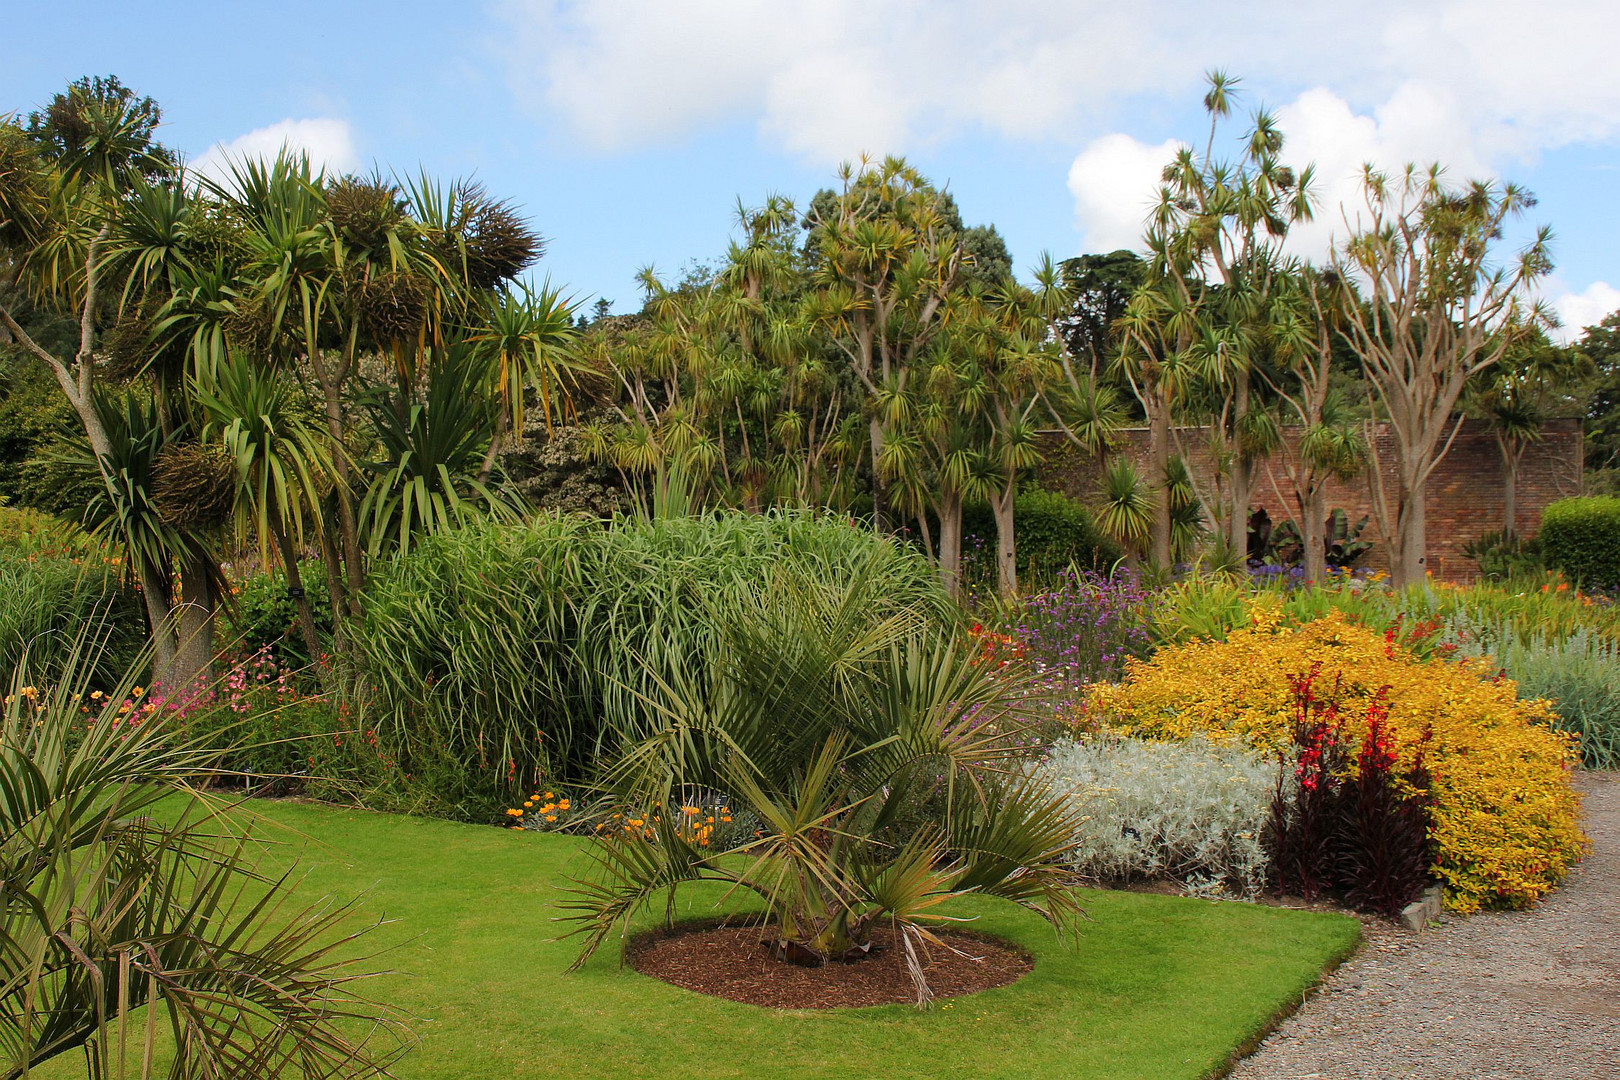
528 336
126 890
279 465
874 758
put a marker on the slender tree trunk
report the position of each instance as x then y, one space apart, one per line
193 670
1512 454
879 503
950 541
348 527
1158 471
334 589
1313 527
1242 473
1001 505
295 589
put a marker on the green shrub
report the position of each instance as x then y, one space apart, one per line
1052 532
52 601
522 653
1581 538
263 617
1504 559
1212 606
25 531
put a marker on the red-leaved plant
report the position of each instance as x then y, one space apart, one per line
1363 831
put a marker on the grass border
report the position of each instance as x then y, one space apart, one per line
1250 1043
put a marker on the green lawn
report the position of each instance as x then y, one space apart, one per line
1159 987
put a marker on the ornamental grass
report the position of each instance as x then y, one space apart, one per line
1505 825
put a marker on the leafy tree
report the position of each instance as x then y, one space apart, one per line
1600 344
1215 240
886 254
1434 311
1516 398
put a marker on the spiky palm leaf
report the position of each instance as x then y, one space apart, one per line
122 888
833 730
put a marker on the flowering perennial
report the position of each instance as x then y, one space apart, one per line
1503 808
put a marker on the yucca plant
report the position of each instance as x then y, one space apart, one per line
873 752
137 924
278 464
1126 513
428 479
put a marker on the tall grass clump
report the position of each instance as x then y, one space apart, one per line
496 656
1579 674
50 601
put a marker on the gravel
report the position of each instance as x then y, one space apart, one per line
1507 994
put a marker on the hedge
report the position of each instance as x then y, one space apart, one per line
1581 538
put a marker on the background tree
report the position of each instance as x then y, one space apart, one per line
1215 241
1433 312
1600 344
885 256
1533 380
1308 321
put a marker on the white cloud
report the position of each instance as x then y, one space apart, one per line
1114 181
1586 308
824 77
328 142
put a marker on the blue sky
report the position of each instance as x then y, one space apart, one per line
628 129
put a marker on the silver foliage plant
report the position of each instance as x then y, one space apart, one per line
1192 811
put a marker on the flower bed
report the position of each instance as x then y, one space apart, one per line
1503 809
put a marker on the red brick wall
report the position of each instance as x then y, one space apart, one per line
1464 499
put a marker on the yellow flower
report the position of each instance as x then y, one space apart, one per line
551 817
514 813
562 804
528 804
1505 816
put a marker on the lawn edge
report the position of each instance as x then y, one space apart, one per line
1251 1042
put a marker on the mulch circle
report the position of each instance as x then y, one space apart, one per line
730 962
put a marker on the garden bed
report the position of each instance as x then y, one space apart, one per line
732 962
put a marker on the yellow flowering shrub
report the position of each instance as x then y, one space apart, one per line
1504 810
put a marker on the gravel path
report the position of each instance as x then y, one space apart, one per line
1517 994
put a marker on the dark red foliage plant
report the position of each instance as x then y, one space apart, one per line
1383 822
1363 831
1300 835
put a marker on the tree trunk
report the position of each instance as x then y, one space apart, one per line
334 589
348 527
155 595
1313 529
295 589
950 541
1242 475
879 507
1512 453
1001 505
1159 469
193 671
1409 562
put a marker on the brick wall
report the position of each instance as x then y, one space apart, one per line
1465 491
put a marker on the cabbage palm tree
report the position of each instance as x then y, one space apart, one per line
874 756
280 465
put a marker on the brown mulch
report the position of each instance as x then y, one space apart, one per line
730 962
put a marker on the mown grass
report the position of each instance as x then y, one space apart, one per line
1158 986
